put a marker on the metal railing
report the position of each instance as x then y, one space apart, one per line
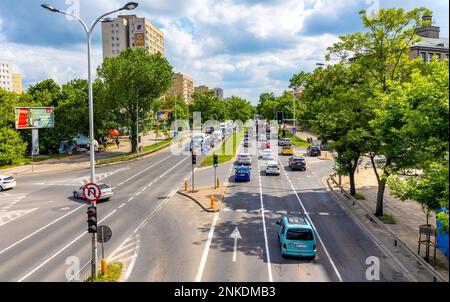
437 277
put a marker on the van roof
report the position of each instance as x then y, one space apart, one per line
296 221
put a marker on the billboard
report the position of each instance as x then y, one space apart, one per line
35 117
139 39
163 116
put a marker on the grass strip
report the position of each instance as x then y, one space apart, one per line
113 275
208 161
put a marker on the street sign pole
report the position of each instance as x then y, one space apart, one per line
215 178
193 181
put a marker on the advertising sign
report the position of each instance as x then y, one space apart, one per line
35 118
139 39
163 116
139 27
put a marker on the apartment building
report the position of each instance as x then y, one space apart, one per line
182 86
17 83
6 76
431 44
218 93
129 31
202 89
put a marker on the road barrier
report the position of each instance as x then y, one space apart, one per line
397 242
104 268
185 186
213 206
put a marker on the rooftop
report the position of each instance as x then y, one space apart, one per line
442 43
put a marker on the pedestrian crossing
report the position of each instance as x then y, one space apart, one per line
8 200
7 217
80 181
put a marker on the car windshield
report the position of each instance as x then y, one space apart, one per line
8 179
299 235
272 166
241 170
299 160
244 156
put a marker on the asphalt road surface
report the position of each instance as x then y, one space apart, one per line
162 236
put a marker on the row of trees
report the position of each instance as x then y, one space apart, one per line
129 89
378 103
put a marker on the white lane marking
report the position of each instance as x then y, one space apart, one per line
41 229
269 268
13 215
84 233
201 268
313 226
241 210
324 214
139 173
133 258
236 235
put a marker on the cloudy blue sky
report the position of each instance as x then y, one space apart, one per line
244 46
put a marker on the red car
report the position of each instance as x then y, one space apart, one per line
265 145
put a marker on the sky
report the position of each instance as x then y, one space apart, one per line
246 47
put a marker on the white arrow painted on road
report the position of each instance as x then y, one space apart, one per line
236 236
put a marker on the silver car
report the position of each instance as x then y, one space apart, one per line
244 159
107 192
272 168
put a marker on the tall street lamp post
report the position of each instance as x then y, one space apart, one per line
89 31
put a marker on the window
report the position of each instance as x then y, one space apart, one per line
424 56
299 234
438 55
430 57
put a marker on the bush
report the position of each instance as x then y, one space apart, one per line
12 148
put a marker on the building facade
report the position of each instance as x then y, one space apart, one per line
129 31
431 44
17 83
6 76
182 86
218 93
202 89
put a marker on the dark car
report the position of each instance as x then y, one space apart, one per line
297 163
247 143
314 151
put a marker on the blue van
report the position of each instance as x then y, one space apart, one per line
242 173
297 237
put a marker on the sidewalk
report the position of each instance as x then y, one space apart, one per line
79 161
408 215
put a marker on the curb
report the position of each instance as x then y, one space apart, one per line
209 210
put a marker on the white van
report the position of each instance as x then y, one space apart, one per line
200 136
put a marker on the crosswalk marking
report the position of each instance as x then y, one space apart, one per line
7 201
13 215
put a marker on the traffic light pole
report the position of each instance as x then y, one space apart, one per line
94 253
193 181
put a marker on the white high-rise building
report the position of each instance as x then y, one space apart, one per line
6 76
130 32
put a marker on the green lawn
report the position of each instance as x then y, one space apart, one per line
208 161
157 145
297 141
29 160
114 271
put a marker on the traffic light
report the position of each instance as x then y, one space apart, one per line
216 161
92 219
280 117
194 158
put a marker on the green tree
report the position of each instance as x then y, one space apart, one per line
12 148
210 106
132 81
240 109
430 190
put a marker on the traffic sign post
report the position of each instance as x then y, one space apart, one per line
92 194
104 235
194 162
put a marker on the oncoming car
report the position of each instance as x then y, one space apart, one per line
297 237
107 192
7 182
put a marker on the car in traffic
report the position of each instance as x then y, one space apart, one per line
297 237
273 168
297 163
247 143
284 142
313 151
242 173
267 154
287 150
265 145
244 159
7 182
106 192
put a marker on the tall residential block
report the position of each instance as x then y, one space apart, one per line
182 86
17 83
219 93
129 31
6 76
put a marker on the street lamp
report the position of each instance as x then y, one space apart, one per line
89 31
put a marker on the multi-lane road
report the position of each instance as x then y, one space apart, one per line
161 236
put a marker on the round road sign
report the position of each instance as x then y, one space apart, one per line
104 234
92 192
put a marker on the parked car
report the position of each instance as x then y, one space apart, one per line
287 150
285 142
297 163
297 237
107 192
267 154
7 182
244 159
313 151
242 173
273 168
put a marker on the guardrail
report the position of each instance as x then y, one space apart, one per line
437 277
